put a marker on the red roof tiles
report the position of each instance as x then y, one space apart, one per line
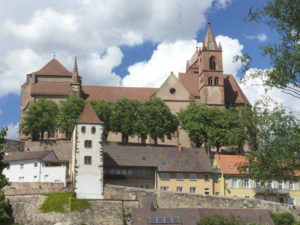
111 94
54 67
89 116
190 82
229 163
50 88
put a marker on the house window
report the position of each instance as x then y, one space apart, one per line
129 172
192 189
93 130
164 176
212 63
179 176
291 201
112 171
35 164
217 193
164 188
51 134
210 81
246 183
179 189
234 183
87 160
206 191
216 81
22 166
270 184
280 185
87 143
34 177
147 186
193 176
21 179
257 184
291 185
46 177
118 172
206 177
124 172
164 163
83 129
172 90
144 158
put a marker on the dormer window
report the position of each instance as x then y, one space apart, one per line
210 81
216 81
212 63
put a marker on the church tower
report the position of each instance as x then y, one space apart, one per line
207 63
87 155
76 81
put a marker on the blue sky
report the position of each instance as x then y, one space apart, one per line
129 43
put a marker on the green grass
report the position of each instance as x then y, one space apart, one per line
61 202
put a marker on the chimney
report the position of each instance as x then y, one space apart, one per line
179 147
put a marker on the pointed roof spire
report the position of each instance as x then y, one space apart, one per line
89 116
75 68
209 41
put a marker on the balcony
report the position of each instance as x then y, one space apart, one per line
263 190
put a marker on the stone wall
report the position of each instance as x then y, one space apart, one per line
13 146
26 212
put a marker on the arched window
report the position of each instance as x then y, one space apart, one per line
216 81
210 81
212 63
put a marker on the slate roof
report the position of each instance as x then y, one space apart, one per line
188 216
50 88
111 94
164 158
54 67
89 116
17 156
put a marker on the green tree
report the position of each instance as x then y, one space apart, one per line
69 111
40 117
103 111
284 17
4 207
219 220
124 116
283 218
158 119
275 150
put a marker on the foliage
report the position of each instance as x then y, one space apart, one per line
4 207
103 111
284 17
158 119
214 126
69 111
219 220
124 116
63 202
283 218
275 150
126 217
40 117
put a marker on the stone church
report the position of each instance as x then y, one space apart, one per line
202 82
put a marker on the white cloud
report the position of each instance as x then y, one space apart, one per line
13 131
172 57
260 37
255 90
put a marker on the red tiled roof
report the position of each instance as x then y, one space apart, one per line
229 163
54 67
17 156
111 94
50 88
190 82
89 116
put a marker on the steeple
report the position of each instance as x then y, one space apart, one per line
75 69
209 41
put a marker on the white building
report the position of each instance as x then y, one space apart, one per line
39 166
87 158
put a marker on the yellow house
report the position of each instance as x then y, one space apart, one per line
230 182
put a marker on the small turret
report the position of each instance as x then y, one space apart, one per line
76 81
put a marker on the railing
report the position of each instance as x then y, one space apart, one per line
271 190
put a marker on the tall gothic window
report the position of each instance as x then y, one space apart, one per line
216 81
212 63
210 81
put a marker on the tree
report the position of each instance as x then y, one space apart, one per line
69 111
4 207
219 220
124 116
283 218
284 17
103 111
275 153
158 119
213 126
40 117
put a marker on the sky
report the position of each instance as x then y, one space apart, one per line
125 43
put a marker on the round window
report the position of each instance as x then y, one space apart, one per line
172 90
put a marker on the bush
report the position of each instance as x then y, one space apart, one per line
283 218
